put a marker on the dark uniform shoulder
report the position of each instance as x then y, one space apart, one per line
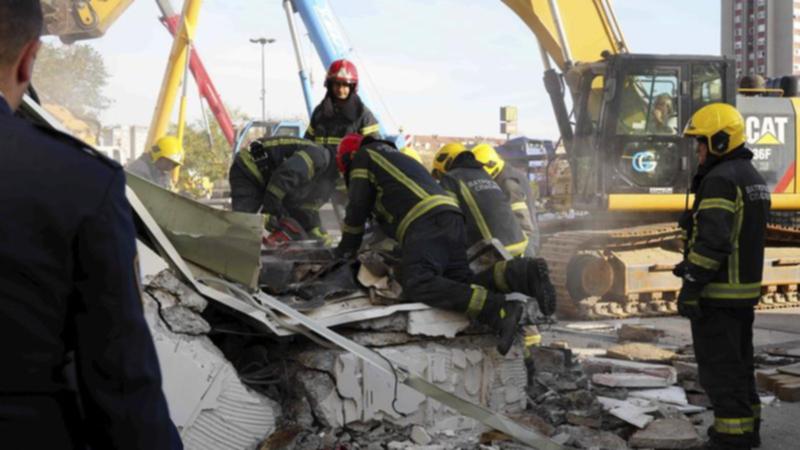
77 145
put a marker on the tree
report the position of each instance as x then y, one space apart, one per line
72 76
204 159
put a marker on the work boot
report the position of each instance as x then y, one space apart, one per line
503 317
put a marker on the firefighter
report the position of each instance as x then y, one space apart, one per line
79 365
341 112
284 177
516 186
158 164
485 206
413 209
722 271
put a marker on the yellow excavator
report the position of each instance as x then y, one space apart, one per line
631 168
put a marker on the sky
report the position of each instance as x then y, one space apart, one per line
430 66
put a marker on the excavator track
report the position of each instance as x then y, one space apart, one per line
561 249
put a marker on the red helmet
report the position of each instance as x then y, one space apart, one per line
343 71
344 153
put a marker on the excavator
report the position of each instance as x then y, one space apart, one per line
630 168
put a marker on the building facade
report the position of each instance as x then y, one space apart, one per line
762 36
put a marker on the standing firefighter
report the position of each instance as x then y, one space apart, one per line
516 186
485 206
722 271
79 365
158 164
284 177
427 223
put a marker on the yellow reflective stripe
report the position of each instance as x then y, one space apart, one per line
359 173
276 191
276 142
421 208
721 203
739 425
309 163
370 129
397 174
519 206
475 211
533 340
476 301
451 194
732 291
310 130
756 407
247 158
499 274
733 259
518 248
703 261
351 229
334 140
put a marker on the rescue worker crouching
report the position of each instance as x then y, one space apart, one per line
284 177
413 209
722 270
158 164
516 186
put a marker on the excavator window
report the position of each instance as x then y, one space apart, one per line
648 105
706 84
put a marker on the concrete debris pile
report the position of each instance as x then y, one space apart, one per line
783 381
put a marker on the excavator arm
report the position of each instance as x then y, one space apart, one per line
571 31
75 20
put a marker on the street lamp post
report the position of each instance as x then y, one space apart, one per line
263 42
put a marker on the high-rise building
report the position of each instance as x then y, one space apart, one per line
763 36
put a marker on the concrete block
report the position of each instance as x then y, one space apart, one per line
548 359
582 437
672 395
436 323
667 434
595 365
420 436
789 392
638 333
629 380
793 369
686 370
631 412
763 378
641 352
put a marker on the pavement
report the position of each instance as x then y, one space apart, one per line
772 328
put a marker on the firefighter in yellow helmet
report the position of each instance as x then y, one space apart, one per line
517 188
722 269
411 153
157 164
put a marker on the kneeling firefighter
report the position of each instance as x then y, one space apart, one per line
284 177
722 270
428 224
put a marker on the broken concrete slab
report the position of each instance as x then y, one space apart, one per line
589 326
634 412
549 359
667 434
672 395
629 380
595 365
436 323
420 436
639 333
640 352
586 418
586 438
793 369
686 370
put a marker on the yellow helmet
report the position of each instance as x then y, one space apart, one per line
720 124
411 153
445 156
168 147
487 155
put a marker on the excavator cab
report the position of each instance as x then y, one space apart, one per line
630 110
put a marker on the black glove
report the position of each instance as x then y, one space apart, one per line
681 269
343 253
689 300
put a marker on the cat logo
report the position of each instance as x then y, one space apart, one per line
766 130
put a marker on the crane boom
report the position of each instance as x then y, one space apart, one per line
72 20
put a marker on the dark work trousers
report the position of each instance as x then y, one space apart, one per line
29 421
433 266
723 346
247 194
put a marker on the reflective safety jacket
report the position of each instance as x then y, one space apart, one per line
330 122
484 204
293 176
391 187
726 233
145 167
518 189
